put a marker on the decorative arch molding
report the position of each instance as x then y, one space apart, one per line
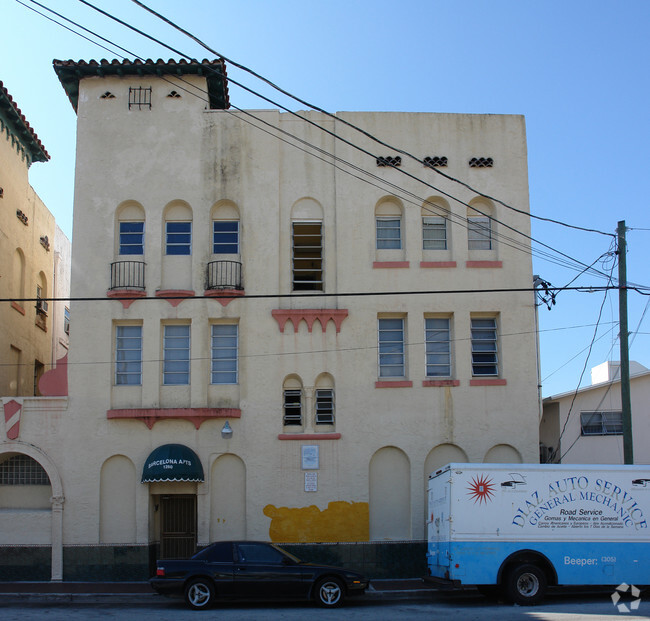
436 206
57 499
503 453
389 206
307 208
177 210
129 210
225 209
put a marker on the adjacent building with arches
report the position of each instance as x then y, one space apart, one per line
273 348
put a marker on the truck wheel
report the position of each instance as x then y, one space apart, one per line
329 593
199 593
525 585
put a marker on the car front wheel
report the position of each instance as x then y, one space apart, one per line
329 593
199 593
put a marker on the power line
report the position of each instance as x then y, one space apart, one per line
334 135
353 126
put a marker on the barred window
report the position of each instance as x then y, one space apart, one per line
293 407
324 406
22 470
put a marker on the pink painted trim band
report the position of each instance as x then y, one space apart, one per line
54 383
394 384
150 416
18 307
224 296
390 264
310 315
309 436
175 296
438 264
437 383
483 263
487 382
129 296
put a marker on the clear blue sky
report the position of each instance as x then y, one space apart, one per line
577 70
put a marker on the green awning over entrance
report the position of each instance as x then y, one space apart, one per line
172 462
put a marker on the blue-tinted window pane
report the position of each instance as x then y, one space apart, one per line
225 237
178 238
132 238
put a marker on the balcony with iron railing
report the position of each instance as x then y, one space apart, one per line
127 275
224 275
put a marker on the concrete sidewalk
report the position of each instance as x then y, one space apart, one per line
141 592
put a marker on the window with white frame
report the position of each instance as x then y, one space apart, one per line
484 347
131 238
434 233
307 256
225 237
389 233
608 423
437 338
224 353
176 355
479 233
128 355
178 237
324 406
391 348
292 407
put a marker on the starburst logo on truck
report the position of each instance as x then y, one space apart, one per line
481 489
634 592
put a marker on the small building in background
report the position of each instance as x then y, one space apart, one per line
586 426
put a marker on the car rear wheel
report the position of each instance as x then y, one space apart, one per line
525 584
329 593
199 593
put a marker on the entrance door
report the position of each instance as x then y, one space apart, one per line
177 526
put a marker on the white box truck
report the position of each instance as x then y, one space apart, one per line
518 528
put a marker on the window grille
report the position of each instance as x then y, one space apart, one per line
601 423
324 406
393 162
481 162
128 355
391 348
22 470
293 407
140 97
307 256
479 233
438 347
224 353
434 233
389 234
484 347
435 161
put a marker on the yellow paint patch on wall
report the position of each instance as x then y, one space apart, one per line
341 521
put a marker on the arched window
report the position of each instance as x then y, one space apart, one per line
324 400
226 229
18 286
307 245
292 401
435 225
130 230
388 222
480 230
178 230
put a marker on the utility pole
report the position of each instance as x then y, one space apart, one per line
626 406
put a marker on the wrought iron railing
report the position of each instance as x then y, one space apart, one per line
224 275
127 275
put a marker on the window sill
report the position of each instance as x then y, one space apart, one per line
434 264
394 384
309 436
488 382
18 307
150 416
440 383
390 264
483 264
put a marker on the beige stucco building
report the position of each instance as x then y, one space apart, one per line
586 426
311 330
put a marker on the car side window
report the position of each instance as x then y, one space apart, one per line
259 553
216 553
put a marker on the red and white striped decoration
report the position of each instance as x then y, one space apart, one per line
12 418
